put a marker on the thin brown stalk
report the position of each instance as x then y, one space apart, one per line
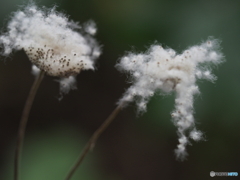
23 123
90 144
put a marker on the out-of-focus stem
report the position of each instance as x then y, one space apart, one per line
90 144
23 123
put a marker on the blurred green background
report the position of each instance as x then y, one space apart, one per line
132 148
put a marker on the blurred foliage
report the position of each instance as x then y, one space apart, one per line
50 156
132 147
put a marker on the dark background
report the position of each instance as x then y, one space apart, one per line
132 148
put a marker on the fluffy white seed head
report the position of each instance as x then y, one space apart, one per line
52 42
164 70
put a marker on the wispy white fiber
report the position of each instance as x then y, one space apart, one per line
165 70
52 42
35 70
67 84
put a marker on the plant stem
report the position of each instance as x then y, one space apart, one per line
90 144
23 123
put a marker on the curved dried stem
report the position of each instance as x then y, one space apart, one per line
91 143
23 123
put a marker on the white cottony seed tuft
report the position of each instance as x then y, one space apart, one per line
164 70
52 42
